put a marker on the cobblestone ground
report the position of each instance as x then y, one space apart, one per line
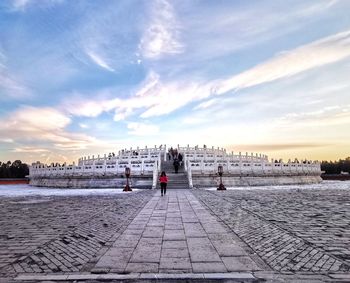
291 230
61 234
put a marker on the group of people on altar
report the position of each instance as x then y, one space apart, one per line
177 157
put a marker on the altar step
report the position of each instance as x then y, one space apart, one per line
176 180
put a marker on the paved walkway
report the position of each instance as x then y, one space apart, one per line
175 234
193 235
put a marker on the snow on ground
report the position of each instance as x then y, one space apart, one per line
26 190
343 185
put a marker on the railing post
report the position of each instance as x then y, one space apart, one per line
155 177
189 175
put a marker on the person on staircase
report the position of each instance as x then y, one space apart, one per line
180 158
163 179
176 165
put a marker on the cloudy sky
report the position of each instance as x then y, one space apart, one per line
91 77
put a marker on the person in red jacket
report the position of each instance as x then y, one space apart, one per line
163 179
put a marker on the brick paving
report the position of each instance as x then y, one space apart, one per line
61 234
280 235
291 230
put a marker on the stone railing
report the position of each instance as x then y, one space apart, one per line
148 154
200 150
252 167
217 153
99 167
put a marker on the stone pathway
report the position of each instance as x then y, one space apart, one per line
188 235
175 234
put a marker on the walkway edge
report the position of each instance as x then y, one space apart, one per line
239 276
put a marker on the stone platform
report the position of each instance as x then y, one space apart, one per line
187 235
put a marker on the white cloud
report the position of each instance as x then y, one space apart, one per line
33 118
47 125
83 126
97 58
327 50
142 129
156 97
162 35
21 5
205 104
171 96
122 114
79 106
326 116
6 140
149 83
30 149
10 84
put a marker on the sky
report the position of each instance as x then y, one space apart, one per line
90 77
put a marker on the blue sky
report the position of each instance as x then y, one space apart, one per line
92 77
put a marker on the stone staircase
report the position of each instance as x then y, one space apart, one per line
176 181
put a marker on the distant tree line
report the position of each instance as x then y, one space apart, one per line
16 169
335 167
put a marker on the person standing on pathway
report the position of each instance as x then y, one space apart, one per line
163 179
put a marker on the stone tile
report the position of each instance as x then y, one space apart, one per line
149 242
174 235
213 228
228 250
142 267
240 263
173 220
138 226
236 276
175 252
208 267
146 255
194 230
159 213
175 263
174 226
140 220
159 223
226 246
133 231
174 244
127 241
157 218
201 250
173 215
115 258
153 232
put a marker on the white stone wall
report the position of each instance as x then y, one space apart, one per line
254 168
234 181
117 182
